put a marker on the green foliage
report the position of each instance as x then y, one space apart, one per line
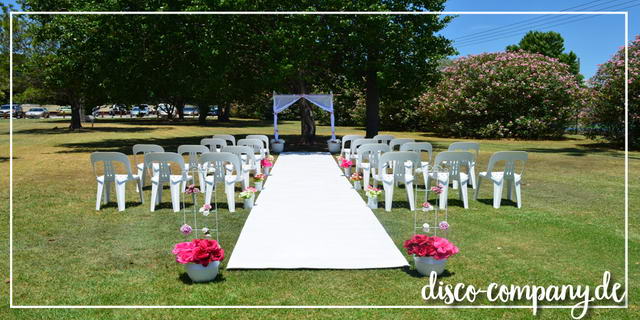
499 95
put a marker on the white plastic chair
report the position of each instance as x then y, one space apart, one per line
509 175
144 149
355 144
224 165
231 140
259 151
453 161
371 153
177 182
109 176
420 148
472 147
383 138
398 142
245 154
194 151
346 151
262 138
387 162
214 144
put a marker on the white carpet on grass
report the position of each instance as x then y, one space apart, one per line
309 216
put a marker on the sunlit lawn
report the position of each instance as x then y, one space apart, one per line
570 230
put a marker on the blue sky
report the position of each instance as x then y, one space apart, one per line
593 39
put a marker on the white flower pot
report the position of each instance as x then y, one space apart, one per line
425 265
259 185
357 185
200 273
347 171
266 170
372 202
334 146
277 147
248 203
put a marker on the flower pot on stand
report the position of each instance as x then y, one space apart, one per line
266 170
259 185
277 146
200 273
334 146
357 185
372 202
425 265
248 203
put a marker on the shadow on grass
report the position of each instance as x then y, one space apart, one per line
184 277
503 202
164 122
5 159
63 130
415 274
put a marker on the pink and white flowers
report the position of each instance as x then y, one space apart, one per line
248 193
267 162
344 163
198 251
205 209
356 177
259 177
191 189
373 192
425 246
438 189
186 229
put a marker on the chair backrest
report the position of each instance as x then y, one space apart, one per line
164 161
372 153
194 151
453 161
241 151
465 146
355 144
218 161
418 147
214 144
383 138
349 138
398 142
231 140
255 144
108 158
396 160
262 138
511 158
144 149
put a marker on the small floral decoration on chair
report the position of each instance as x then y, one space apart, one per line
426 206
191 189
344 163
438 189
205 209
248 192
259 177
425 246
198 251
267 162
356 177
373 192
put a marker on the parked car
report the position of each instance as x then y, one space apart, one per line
140 111
213 111
190 111
64 111
118 109
163 109
5 111
37 112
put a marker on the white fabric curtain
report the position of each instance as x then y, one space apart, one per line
284 101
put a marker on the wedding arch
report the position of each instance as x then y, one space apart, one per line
284 101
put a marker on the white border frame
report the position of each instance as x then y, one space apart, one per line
626 153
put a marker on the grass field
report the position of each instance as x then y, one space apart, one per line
569 231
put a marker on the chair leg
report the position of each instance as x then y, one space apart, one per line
120 193
475 196
175 195
366 175
229 190
245 180
464 194
455 184
107 192
141 193
472 176
388 194
99 195
518 195
155 196
497 193
159 197
208 191
425 176
444 196
509 189
412 202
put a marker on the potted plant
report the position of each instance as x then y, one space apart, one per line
356 178
259 179
430 253
277 145
345 164
248 195
372 194
201 258
334 145
266 164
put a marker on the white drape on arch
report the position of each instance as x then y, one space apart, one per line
284 101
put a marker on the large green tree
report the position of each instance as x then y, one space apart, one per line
550 44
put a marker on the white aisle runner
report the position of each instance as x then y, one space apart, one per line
308 216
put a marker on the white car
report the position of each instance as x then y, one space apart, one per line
37 113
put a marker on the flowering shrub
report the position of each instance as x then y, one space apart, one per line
494 95
424 246
199 251
248 192
606 116
373 192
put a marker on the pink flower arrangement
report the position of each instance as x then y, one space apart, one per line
248 192
356 177
259 177
373 192
198 251
186 229
267 162
437 189
344 163
443 225
191 189
424 246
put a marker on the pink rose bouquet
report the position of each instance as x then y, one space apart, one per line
425 246
259 177
191 189
267 162
248 192
356 177
198 251
438 189
373 192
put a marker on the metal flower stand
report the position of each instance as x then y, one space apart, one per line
196 210
433 220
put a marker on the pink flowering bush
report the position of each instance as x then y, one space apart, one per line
606 116
501 95
438 248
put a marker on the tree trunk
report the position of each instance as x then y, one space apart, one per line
180 109
373 98
224 113
76 114
307 124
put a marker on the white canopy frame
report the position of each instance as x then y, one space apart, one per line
284 101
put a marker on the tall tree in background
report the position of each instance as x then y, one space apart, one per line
550 44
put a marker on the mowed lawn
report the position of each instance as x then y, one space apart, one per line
569 231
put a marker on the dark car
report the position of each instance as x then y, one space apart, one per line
5 111
118 109
213 111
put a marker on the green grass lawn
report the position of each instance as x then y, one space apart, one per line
569 231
